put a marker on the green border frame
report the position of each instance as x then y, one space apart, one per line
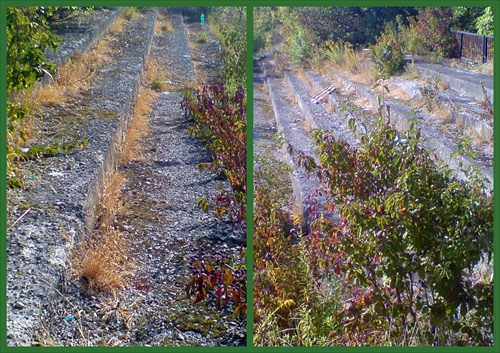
250 4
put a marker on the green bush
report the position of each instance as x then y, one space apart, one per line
339 53
411 236
294 301
485 22
389 52
265 27
229 26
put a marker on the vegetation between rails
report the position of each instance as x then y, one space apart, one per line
101 257
219 114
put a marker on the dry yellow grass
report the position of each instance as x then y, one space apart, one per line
24 99
163 24
78 72
118 25
159 79
103 263
138 128
110 202
153 70
75 75
444 114
51 95
486 68
101 258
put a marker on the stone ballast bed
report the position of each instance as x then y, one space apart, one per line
400 115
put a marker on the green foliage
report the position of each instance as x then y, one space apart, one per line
465 18
485 23
229 26
64 13
388 54
339 53
410 235
129 13
157 84
294 301
219 115
265 27
299 41
359 26
299 45
28 35
202 37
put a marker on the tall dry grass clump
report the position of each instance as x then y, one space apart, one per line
78 72
138 128
101 258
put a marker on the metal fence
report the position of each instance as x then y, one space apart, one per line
475 46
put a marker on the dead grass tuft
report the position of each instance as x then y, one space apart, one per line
486 68
101 259
103 263
118 25
79 71
163 24
156 76
110 203
132 148
51 95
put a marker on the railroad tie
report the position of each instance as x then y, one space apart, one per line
316 99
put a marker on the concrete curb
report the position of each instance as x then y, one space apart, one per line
89 39
400 115
109 164
458 84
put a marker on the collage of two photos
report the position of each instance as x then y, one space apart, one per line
350 204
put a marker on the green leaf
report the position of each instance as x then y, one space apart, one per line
203 203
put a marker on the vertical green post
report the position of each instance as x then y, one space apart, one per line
202 18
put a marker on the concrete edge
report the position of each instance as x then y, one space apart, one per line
109 165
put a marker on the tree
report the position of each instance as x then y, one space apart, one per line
465 18
28 35
357 25
484 23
